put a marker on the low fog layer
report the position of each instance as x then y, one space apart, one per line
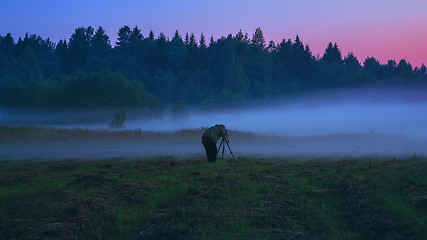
242 145
362 111
346 123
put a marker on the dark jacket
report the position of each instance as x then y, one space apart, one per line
216 132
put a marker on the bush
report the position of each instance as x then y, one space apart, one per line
118 119
179 110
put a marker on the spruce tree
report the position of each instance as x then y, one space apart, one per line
187 39
135 35
332 54
352 63
7 46
193 43
177 38
100 42
258 39
151 35
202 42
423 69
404 69
124 37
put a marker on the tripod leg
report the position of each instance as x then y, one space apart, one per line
219 146
223 149
230 150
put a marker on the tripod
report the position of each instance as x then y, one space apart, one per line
223 148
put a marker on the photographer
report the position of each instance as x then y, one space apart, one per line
209 139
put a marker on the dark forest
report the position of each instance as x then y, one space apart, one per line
153 72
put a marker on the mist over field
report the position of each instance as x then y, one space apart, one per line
389 122
370 111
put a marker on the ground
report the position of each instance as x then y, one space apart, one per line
180 198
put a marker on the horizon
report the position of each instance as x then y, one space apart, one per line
383 30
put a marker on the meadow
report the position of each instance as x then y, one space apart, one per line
165 198
169 197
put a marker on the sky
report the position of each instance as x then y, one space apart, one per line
384 29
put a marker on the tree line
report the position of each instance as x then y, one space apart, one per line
151 72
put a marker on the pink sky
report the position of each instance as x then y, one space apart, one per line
384 29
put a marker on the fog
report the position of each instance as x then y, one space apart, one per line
351 123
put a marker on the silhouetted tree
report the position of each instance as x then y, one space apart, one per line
332 54
240 37
202 42
43 50
160 56
404 69
284 51
187 39
352 63
100 43
211 41
36 72
271 46
423 69
151 35
61 53
79 47
258 39
135 35
300 63
124 37
391 66
177 39
373 68
7 46
371 65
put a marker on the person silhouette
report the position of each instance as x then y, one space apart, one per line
210 138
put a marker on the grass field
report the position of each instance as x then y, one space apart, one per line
251 198
32 142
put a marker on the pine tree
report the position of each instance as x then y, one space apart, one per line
332 54
284 51
271 46
372 65
351 62
61 52
423 69
298 46
404 68
202 41
193 43
391 66
162 37
124 37
7 46
187 39
258 39
79 47
161 57
151 35
177 38
100 42
135 35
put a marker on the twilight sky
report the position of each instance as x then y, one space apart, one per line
384 29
